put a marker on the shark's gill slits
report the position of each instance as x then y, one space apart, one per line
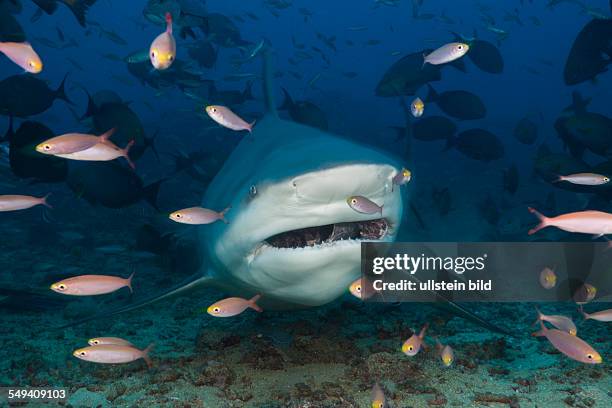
311 236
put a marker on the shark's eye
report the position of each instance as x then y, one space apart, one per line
252 191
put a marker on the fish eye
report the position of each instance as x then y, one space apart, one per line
61 286
96 342
170 57
216 310
354 200
213 110
358 288
460 47
409 348
253 191
153 54
47 147
590 356
178 215
32 64
82 353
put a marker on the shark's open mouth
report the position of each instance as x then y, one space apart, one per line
312 236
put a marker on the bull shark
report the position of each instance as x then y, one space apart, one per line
291 236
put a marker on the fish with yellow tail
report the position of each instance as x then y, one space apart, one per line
12 202
572 346
91 285
412 346
162 52
72 143
601 316
113 354
23 55
198 216
563 323
228 119
233 306
378 397
596 223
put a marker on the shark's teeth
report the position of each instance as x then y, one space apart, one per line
321 236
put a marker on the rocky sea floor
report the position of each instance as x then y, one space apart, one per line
323 357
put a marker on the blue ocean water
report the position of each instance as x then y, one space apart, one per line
543 113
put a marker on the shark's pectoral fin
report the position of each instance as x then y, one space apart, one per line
193 282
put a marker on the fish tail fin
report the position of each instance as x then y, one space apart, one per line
126 153
151 192
544 221
107 135
250 128
558 179
539 333
168 18
582 312
128 281
253 304
268 82
424 60
79 9
423 330
150 142
145 355
91 107
60 93
287 102
222 214
44 202
432 95
539 318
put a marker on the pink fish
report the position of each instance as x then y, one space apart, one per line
597 223
113 354
378 397
413 345
105 151
233 306
228 119
560 322
572 346
72 143
105 341
364 205
601 316
89 285
362 289
163 49
446 353
198 216
21 202
23 55
401 178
